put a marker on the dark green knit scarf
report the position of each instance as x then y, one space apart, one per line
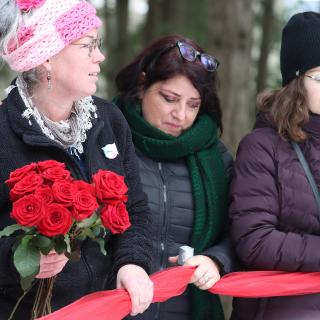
209 184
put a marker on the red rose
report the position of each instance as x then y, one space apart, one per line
115 218
27 185
63 192
20 173
56 173
84 204
84 186
110 187
57 220
27 211
44 165
45 194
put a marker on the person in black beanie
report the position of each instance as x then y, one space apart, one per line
300 45
275 217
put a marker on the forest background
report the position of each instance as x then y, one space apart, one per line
244 35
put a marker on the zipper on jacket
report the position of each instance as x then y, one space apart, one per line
163 229
163 217
156 317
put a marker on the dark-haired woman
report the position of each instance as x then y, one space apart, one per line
168 96
275 217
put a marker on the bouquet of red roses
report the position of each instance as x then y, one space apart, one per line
53 210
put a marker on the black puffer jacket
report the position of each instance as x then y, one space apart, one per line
21 144
169 191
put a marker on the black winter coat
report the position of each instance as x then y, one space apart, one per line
169 191
21 144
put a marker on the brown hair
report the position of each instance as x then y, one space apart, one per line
287 108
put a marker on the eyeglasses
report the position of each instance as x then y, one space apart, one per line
92 45
316 77
189 53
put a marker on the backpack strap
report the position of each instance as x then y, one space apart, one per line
307 171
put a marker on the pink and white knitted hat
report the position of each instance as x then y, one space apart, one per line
52 25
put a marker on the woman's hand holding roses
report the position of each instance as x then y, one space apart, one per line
139 286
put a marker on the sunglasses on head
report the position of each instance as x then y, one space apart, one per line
190 54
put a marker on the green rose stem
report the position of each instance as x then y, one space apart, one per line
42 304
19 300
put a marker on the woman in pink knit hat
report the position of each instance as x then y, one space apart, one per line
50 113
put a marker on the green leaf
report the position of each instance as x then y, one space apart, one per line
86 223
67 242
30 230
44 244
101 244
26 282
9 230
60 245
26 258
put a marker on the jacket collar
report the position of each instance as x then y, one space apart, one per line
262 121
27 129
313 126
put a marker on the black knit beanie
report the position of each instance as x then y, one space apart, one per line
300 45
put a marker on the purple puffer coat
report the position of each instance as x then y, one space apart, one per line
275 218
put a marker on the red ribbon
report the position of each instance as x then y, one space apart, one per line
116 304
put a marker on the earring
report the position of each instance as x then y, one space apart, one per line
49 80
142 77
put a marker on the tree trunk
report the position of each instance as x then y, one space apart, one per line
122 31
152 24
230 28
265 47
116 38
164 17
173 16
